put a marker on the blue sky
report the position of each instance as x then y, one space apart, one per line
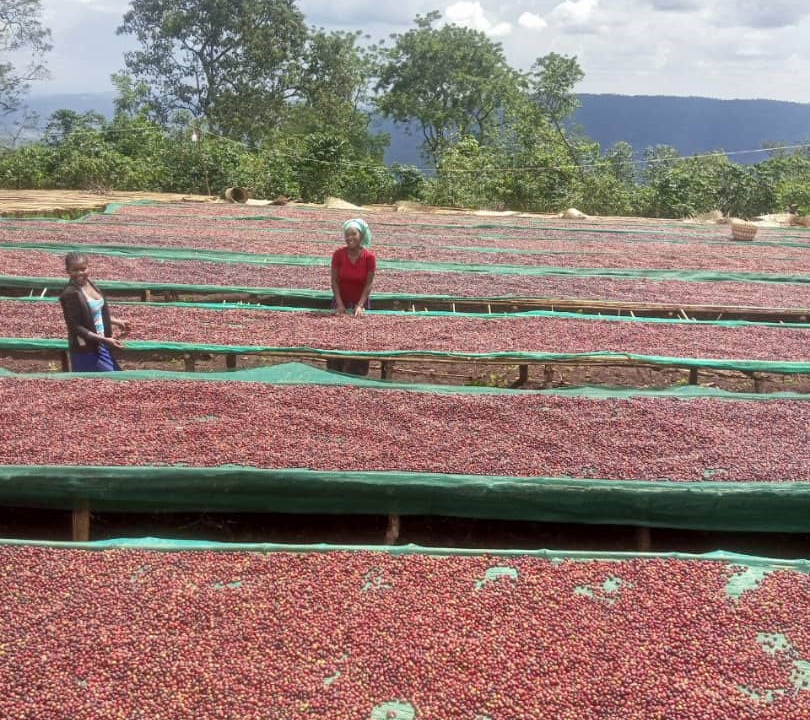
715 48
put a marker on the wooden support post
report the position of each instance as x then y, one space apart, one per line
190 363
392 531
64 357
693 376
387 370
146 295
81 523
523 376
759 383
643 539
230 361
548 376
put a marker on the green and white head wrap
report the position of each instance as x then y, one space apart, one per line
362 227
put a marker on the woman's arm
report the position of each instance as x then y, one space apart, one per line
361 305
122 324
339 306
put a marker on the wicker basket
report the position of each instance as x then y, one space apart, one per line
236 195
743 230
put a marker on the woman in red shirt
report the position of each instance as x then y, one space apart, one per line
353 268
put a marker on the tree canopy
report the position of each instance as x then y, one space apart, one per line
21 30
234 62
452 80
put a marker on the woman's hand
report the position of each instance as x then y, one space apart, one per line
359 310
340 309
122 325
113 343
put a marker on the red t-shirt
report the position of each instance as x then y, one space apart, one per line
352 276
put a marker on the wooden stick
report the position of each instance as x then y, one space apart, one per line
643 539
387 369
523 376
392 531
81 522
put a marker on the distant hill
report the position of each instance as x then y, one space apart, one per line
690 124
693 124
45 105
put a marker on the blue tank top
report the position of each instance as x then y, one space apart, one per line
95 311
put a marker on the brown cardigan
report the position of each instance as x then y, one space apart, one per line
79 319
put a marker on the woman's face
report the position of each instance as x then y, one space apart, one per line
78 272
353 238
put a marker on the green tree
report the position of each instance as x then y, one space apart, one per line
20 30
409 182
469 175
794 192
133 96
785 181
538 174
234 62
334 92
453 81
63 123
619 163
552 82
658 160
26 167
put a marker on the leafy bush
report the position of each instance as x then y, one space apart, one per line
794 192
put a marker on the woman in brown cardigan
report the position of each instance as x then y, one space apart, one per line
89 324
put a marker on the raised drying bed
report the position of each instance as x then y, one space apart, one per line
525 339
33 270
701 460
552 248
161 629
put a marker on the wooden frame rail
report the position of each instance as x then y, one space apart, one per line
388 364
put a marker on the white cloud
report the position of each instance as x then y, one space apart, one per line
663 51
576 15
500 30
364 14
716 48
532 21
471 15
119 7
676 5
756 14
